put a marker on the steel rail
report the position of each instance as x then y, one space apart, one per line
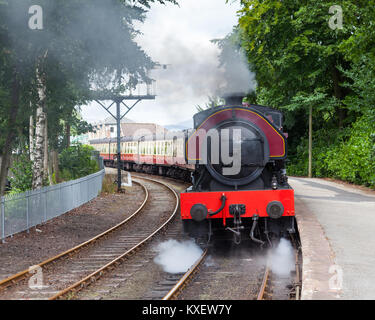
174 292
265 280
298 278
99 272
26 273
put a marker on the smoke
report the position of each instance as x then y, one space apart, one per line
181 38
77 38
282 258
236 76
196 70
177 257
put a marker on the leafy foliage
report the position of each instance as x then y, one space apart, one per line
84 45
301 62
76 162
348 156
21 174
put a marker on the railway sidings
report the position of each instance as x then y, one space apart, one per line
120 263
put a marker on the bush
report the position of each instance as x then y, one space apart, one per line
76 162
354 161
348 154
21 174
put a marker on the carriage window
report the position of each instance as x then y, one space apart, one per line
174 147
170 149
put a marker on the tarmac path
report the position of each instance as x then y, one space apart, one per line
347 217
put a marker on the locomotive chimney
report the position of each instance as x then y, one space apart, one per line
234 99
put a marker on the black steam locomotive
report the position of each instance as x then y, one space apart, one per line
239 182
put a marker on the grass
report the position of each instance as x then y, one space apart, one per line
109 185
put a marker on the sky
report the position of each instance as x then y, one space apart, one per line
179 36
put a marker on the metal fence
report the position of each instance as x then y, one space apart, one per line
20 212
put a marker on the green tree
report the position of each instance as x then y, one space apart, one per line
301 64
76 162
81 43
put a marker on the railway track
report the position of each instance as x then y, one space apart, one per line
272 284
87 262
267 287
140 278
185 278
210 282
297 288
265 283
108 250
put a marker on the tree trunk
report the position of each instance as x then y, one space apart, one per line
38 164
338 92
9 140
310 142
55 165
5 161
31 138
67 133
46 172
50 169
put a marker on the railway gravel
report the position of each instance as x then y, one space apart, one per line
139 277
62 233
230 272
68 271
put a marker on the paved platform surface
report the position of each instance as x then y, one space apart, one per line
337 226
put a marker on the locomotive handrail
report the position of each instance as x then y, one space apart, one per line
223 200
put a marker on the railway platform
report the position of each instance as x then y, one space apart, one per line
336 223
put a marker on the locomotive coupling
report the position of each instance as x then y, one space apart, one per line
252 237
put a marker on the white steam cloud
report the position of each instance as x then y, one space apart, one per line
177 257
282 258
235 76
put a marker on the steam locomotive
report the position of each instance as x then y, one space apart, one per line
235 157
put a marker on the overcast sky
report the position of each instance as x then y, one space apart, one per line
180 37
